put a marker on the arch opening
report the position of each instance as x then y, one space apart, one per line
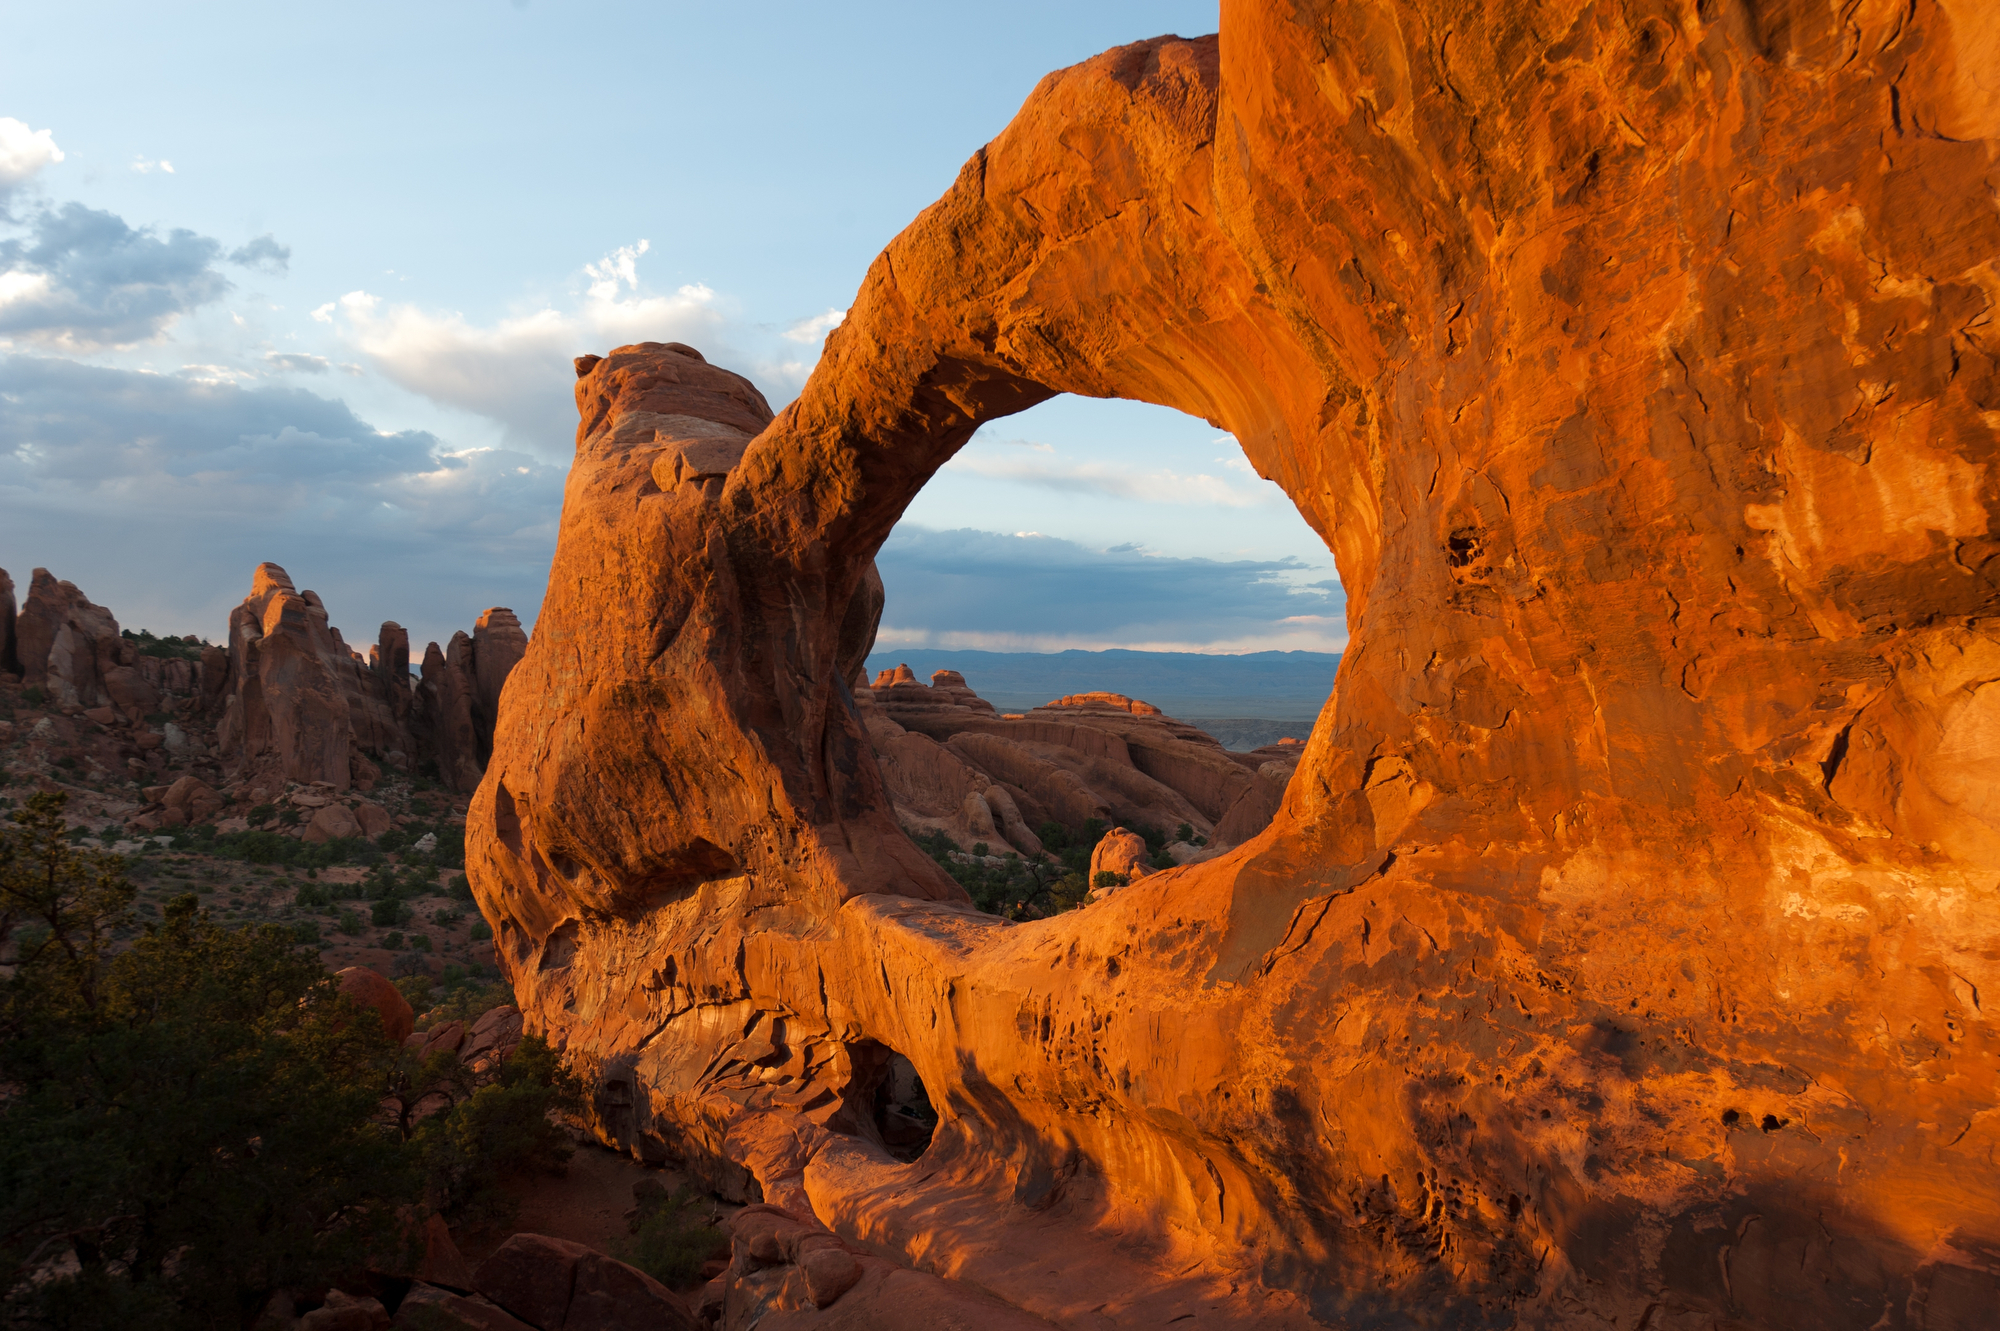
888 1103
1116 626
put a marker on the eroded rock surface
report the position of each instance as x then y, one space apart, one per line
1621 951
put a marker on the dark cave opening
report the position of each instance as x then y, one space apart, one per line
891 1096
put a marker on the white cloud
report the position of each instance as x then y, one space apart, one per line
24 152
815 328
146 168
620 267
516 371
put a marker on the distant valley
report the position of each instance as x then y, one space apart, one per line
1244 701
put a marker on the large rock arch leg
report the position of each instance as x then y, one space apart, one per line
1625 947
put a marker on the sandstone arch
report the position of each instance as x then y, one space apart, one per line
1625 946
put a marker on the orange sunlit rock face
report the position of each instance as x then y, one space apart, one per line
1624 948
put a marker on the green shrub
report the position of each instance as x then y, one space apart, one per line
393 839
164 1097
1106 878
34 695
169 646
481 931
456 998
502 1131
350 922
389 911
459 888
305 933
420 942
263 813
675 1236
309 897
273 848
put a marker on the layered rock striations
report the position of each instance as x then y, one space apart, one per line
1622 948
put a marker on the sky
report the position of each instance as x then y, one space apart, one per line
304 285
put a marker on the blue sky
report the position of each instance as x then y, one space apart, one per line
303 285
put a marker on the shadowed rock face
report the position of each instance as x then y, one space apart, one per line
1624 948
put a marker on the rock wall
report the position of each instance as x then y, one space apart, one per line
1620 952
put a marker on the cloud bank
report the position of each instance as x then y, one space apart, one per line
1028 592
166 490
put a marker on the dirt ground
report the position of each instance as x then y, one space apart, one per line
586 1206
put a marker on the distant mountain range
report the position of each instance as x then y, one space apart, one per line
1279 686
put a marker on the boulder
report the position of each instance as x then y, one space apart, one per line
332 823
446 1037
131 693
558 1285
372 990
1121 852
346 1312
442 1263
373 819
429 1308
531 1276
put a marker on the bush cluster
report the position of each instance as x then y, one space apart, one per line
169 646
193 1120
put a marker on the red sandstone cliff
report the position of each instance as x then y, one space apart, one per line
1621 952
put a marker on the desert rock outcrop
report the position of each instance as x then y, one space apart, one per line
460 696
1621 950
65 643
298 704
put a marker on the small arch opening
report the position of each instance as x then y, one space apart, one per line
888 1102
